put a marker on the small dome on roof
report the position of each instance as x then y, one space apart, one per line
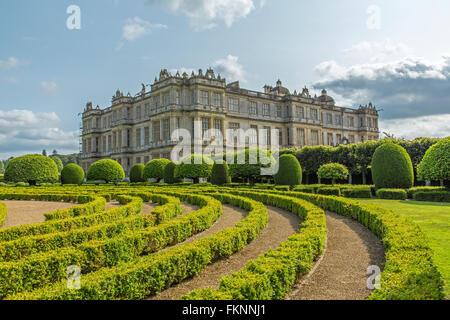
326 98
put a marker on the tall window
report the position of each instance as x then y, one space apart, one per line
166 99
266 109
338 139
253 107
280 136
338 120
205 128
329 118
253 136
204 98
129 113
217 127
351 139
300 137
300 112
314 137
314 114
129 138
138 137
330 139
138 112
351 122
233 105
217 100
166 129
156 131
279 112
177 97
146 136
268 136
235 132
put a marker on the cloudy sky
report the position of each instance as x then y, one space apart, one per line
392 53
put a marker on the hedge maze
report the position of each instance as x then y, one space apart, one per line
125 254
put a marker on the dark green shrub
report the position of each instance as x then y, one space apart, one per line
435 165
72 174
137 173
333 171
413 190
155 169
289 171
195 167
107 170
304 189
220 174
329 191
392 167
392 194
432 196
170 172
32 169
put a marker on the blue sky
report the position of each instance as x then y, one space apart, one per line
392 53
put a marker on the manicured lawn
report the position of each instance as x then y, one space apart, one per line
434 219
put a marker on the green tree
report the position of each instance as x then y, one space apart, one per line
2 167
195 167
44 153
289 171
333 171
220 173
248 163
31 169
72 174
137 173
58 162
107 170
435 165
155 169
170 173
311 158
392 167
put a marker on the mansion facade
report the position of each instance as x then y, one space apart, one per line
140 128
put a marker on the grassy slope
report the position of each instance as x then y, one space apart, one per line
434 219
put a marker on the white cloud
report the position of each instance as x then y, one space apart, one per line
204 14
13 80
137 28
24 131
405 88
9 64
230 68
49 87
429 126
378 51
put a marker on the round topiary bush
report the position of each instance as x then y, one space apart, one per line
170 176
289 171
137 173
155 169
435 165
107 170
195 167
72 174
392 167
58 162
220 174
31 169
333 171
252 164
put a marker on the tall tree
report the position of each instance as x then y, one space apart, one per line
44 152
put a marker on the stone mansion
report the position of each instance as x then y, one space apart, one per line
139 129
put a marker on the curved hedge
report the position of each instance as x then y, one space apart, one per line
155 169
392 167
72 174
289 171
137 173
31 169
3 213
435 165
107 170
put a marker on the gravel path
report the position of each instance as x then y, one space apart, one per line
28 212
281 225
340 274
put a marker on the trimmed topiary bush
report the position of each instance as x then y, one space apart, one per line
137 173
392 194
195 167
72 174
250 163
107 170
170 173
359 193
392 167
432 196
220 174
31 169
435 165
289 171
329 191
333 171
155 169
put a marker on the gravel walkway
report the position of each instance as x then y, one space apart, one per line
340 274
281 225
28 212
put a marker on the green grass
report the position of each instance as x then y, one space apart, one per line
434 219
